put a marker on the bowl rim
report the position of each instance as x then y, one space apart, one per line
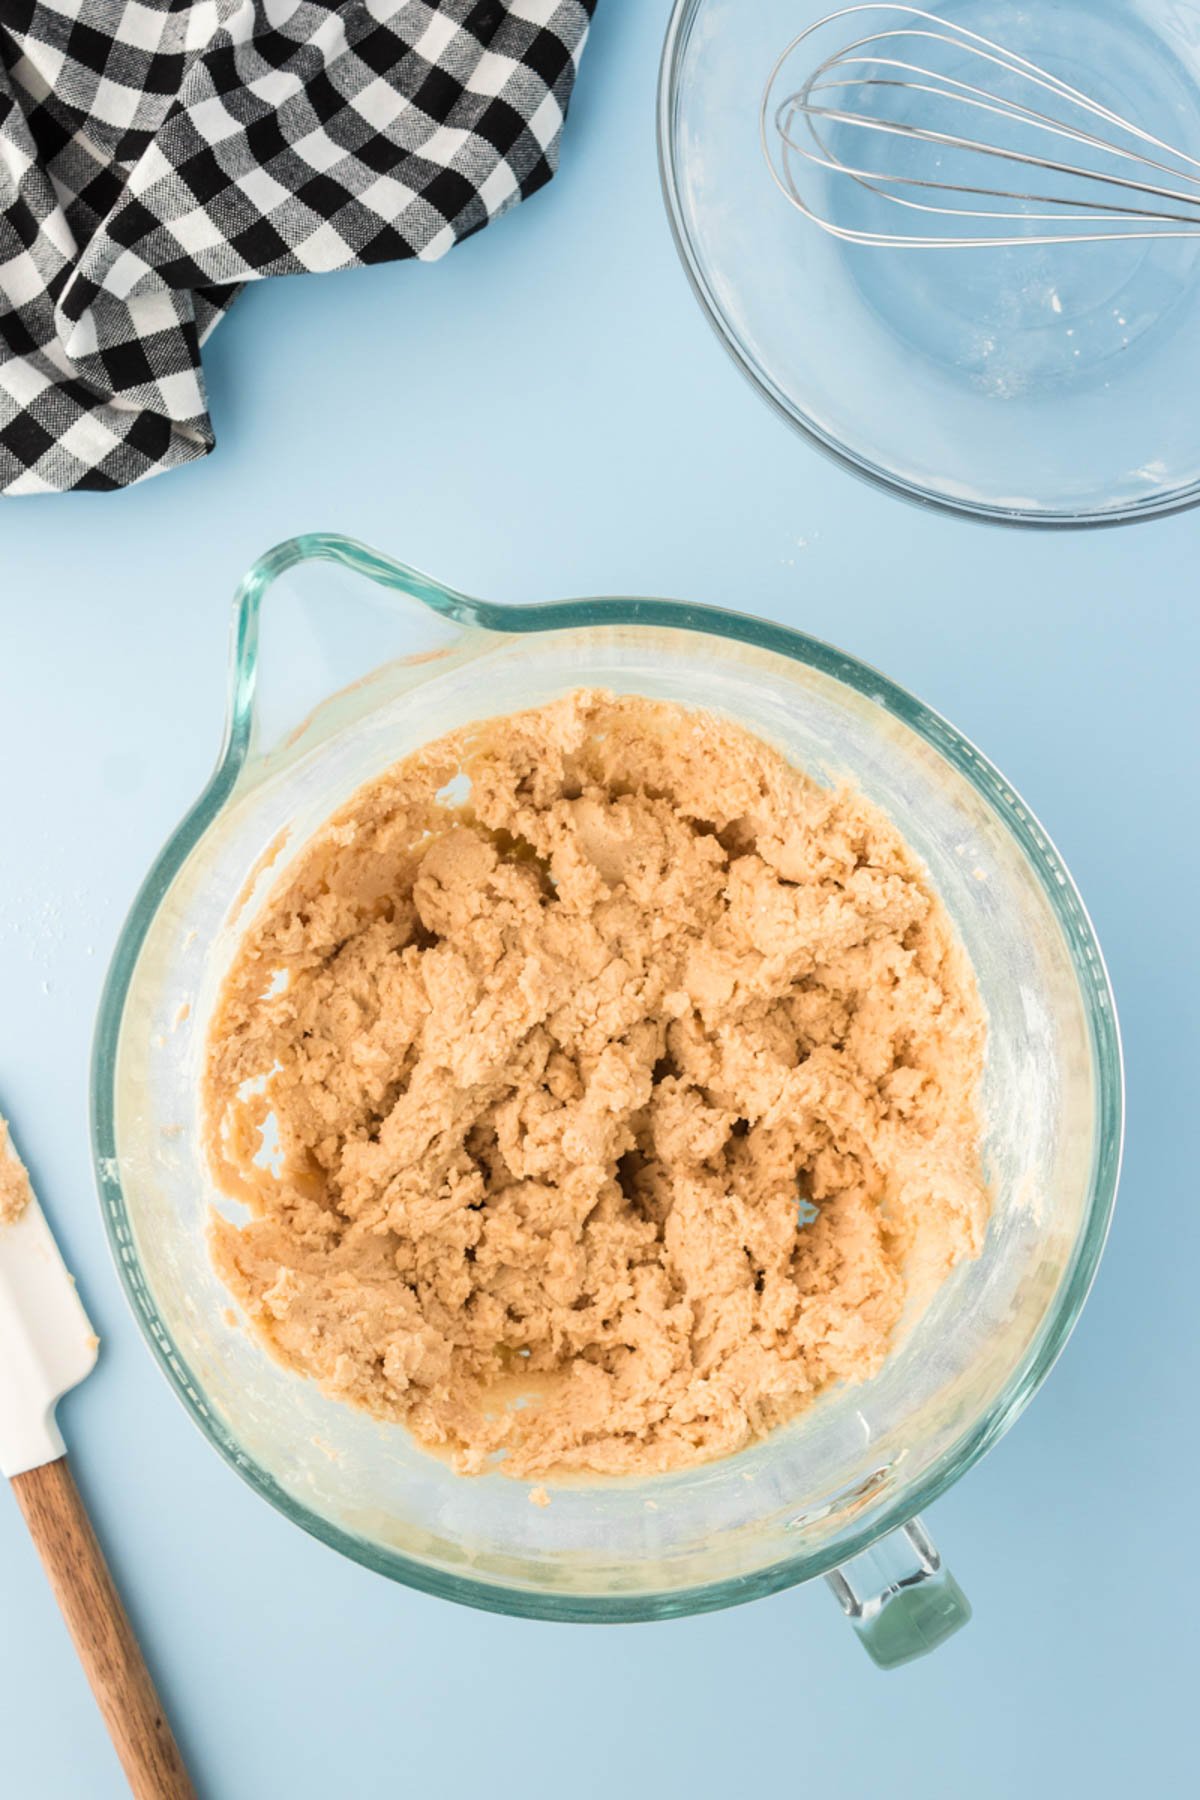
602 611
683 17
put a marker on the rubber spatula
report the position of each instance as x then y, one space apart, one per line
47 1345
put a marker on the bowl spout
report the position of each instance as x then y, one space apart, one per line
297 671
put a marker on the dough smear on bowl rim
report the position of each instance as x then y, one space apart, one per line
16 1195
642 1086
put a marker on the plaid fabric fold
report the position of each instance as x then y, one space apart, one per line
157 154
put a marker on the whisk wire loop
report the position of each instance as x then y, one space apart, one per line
877 67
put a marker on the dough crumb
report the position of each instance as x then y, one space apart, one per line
538 1497
602 1091
15 1191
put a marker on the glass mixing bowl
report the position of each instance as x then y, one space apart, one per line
1045 385
344 661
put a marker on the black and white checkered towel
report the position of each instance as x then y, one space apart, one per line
156 154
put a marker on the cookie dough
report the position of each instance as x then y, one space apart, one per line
604 1118
15 1191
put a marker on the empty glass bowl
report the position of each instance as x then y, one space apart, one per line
345 661
1036 384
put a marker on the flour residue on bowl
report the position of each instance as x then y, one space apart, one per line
614 1111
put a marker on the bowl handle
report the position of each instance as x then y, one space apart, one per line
899 1596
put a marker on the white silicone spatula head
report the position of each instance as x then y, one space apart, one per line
47 1344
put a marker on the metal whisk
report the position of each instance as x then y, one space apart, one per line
926 121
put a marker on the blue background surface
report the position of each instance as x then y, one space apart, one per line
544 414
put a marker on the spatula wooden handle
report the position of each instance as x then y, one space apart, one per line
108 1650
